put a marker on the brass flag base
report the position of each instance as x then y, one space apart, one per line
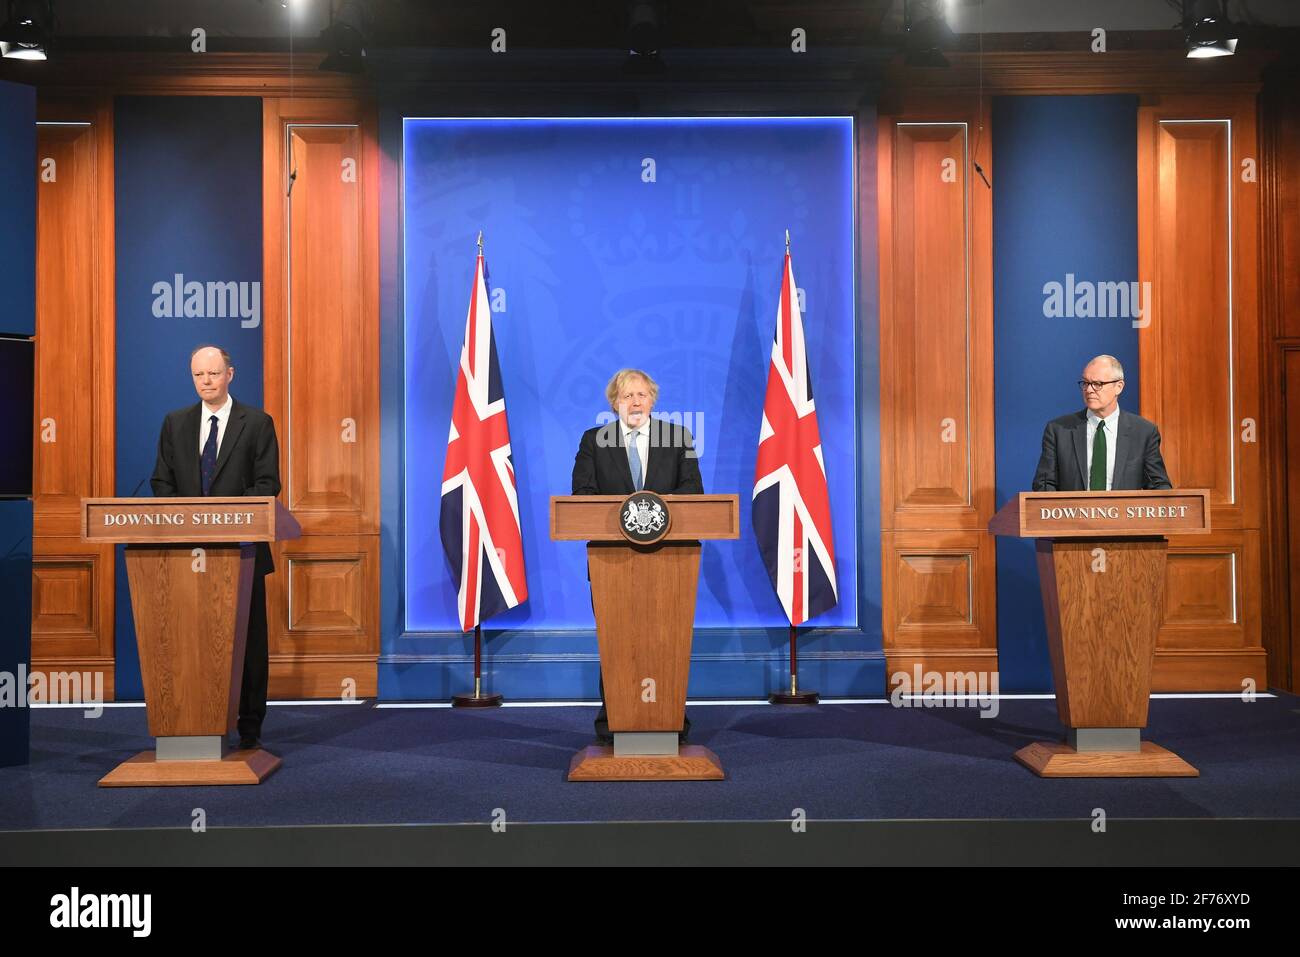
693 762
794 695
1056 759
476 701
146 771
477 698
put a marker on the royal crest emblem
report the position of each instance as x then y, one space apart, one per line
645 517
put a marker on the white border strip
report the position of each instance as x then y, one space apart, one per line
705 703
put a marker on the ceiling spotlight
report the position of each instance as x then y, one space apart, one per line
643 29
1209 31
927 33
26 32
345 39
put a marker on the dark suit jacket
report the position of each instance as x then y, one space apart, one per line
248 463
601 466
1063 466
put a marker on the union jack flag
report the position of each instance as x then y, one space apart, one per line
480 508
791 510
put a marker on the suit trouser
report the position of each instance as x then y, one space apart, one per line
252 695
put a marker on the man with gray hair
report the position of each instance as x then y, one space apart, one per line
1100 448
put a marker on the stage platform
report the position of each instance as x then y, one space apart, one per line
876 784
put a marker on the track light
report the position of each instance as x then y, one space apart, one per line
645 35
345 39
643 29
1209 31
927 34
27 29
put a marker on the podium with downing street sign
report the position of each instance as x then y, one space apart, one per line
1101 566
189 562
643 557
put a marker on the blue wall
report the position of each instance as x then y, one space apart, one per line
1064 201
600 270
18 221
189 201
17 318
16 631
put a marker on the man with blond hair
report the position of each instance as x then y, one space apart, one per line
635 451
632 453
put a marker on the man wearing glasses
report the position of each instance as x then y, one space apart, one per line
1101 448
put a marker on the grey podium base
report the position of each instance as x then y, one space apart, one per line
1104 739
632 743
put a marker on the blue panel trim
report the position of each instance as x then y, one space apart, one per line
548 665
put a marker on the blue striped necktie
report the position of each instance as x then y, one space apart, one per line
634 459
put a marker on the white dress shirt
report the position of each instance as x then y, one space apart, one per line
1112 424
642 438
205 424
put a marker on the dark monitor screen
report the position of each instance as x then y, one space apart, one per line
17 396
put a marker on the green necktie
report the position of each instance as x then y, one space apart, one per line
1097 478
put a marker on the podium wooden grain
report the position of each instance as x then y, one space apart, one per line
644 602
191 584
1101 568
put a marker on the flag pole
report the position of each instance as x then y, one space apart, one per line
477 699
794 695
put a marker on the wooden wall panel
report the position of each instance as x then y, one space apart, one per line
934 589
936 398
72 614
321 285
931 354
327 381
1279 166
1289 530
63 599
1203 588
1198 247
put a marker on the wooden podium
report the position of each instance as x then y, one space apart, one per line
189 562
1101 564
643 594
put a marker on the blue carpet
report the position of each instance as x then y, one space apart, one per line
360 765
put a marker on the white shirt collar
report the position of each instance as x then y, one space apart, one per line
640 429
1111 420
222 413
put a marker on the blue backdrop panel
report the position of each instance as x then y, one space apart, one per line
189 203
15 631
18 223
600 269
1065 202
17 318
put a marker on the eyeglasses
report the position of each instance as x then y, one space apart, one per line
1094 385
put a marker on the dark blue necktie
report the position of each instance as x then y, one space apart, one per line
208 460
